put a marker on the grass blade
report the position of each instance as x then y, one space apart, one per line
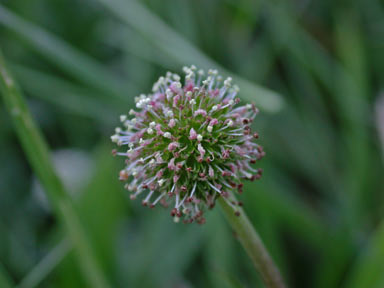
84 68
369 267
46 265
37 153
5 280
175 46
66 95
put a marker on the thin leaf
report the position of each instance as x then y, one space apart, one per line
65 95
42 269
66 57
369 267
175 46
38 155
5 280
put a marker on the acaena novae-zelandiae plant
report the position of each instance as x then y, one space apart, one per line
189 144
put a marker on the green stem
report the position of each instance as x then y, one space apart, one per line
42 269
253 245
5 280
38 155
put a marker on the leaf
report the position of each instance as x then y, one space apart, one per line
66 57
65 95
369 266
38 155
5 280
42 269
175 46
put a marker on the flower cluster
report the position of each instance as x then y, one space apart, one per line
188 144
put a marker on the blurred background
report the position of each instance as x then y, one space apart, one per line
320 204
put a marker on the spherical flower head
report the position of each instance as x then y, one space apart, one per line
188 144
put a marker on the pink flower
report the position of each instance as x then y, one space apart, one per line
200 112
173 145
158 129
159 174
213 122
211 173
201 150
171 164
158 158
225 153
192 134
176 153
172 123
175 100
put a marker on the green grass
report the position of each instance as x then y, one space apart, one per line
318 207
39 157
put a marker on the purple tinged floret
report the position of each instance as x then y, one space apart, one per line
188 144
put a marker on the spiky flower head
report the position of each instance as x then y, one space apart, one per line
188 144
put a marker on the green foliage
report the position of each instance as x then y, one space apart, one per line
319 205
37 152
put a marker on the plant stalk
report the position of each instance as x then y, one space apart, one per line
38 154
253 245
5 280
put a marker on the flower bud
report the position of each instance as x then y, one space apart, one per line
188 144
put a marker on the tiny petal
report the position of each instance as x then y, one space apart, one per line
115 138
173 145
171 164
213 122
200 112
211 173
201 150
172 123
167 135
158 130
192 134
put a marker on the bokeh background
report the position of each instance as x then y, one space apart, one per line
320 204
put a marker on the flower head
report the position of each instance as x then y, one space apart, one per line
188 144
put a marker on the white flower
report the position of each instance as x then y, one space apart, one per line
115 138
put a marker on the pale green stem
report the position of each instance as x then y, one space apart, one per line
38 155
253 245
42 269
